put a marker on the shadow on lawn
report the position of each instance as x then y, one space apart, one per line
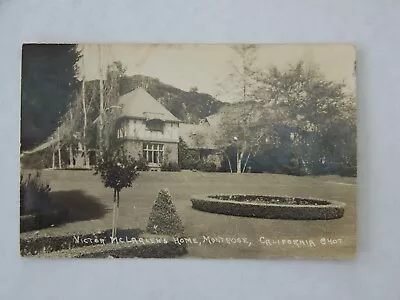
80 206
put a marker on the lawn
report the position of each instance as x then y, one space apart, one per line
90 206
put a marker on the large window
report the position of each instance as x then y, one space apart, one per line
153 153
155 125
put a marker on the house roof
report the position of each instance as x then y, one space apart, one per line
197 136
140 104
214 120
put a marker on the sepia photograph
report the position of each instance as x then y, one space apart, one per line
218 151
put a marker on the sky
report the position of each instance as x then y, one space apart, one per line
206 66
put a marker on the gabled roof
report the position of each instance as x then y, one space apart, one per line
214 120
140 104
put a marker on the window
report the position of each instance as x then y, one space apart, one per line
155 125
153 153
121 131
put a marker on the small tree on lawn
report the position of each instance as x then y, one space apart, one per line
118 170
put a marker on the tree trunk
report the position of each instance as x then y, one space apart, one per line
71 157
59 148
114 229
238 163
245 164
229 163
117 214
84 109
101 108
53 166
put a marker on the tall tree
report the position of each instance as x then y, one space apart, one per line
48 85
244 130
315 107
114 73
241 129
86 110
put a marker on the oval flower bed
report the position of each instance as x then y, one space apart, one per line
270 207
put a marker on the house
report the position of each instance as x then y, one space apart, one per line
145 128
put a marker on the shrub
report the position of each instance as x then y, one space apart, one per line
206 166
187 158
170 167
37 160
34 194
141 164
34 245
164 218
348 172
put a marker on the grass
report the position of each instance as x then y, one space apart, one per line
72 189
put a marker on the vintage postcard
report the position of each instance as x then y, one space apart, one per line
242 151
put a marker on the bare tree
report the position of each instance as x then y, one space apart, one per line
237 129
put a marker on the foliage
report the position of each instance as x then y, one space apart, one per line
187 158
142 164
38 160
34 194
228 156
80 124
322 117
297 122
36 245
164 218
115 72
48 85
242 128
242 133
101 245
194 89
190 159
117 169
206 166
305 97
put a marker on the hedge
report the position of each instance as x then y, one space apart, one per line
36 245
126 250
150 246
170 167
326 211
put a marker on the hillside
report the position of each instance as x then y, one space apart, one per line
189 107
